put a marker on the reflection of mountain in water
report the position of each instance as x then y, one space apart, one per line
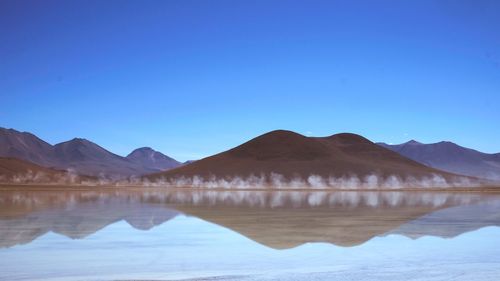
289 219
73 214
278 219
453 221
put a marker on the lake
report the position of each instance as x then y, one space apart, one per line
186 234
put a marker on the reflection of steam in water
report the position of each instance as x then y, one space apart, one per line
284 220
269 199
278 219
272 199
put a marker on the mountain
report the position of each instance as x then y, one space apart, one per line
26 146
89 158
13 170
282 156
81 155
151 159
448 156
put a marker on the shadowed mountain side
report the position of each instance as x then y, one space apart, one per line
292 155
448 156
13 170
276 219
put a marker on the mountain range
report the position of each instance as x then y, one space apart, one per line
273 157
281 157
450 157
82 156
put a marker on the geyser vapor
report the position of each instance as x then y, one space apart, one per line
69 177
273 180
279 181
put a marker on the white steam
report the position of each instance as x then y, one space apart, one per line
249 198
278 181
273 181
30 177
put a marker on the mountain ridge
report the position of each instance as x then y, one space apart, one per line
281 151
78 154
451 157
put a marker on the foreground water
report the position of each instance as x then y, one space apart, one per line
127 234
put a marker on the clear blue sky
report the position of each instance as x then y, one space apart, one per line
192 78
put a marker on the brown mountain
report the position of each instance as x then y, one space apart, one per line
448 156
13 170
292 156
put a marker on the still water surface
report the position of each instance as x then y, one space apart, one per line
152 234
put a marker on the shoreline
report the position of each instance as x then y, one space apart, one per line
76 187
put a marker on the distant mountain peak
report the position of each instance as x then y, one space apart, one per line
145 149
148 157
79 141
413 142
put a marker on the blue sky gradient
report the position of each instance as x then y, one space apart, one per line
193 78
